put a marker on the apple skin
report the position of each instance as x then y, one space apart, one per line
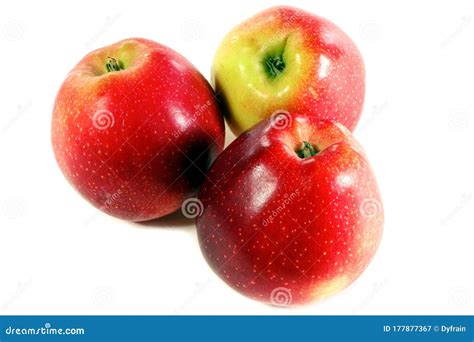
324 73
285 230
136 142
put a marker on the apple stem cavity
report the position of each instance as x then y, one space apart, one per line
307 150
113 64
274 65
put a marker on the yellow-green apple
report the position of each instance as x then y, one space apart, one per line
135 127
286 58
291 211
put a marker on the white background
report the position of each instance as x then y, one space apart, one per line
59 255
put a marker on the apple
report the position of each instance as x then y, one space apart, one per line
134 128
289 59
291 211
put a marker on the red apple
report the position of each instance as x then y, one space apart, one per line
291 211
135 127
286 58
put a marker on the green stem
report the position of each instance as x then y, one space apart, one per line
113 65
307 150
275 65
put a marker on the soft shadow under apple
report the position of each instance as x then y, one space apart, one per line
173 220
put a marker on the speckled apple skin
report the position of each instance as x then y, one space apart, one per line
274 221
324 78
135 143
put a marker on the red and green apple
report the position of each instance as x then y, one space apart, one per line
135 127
292 211
287 59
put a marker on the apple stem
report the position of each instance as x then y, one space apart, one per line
275 65
307 150
113 64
